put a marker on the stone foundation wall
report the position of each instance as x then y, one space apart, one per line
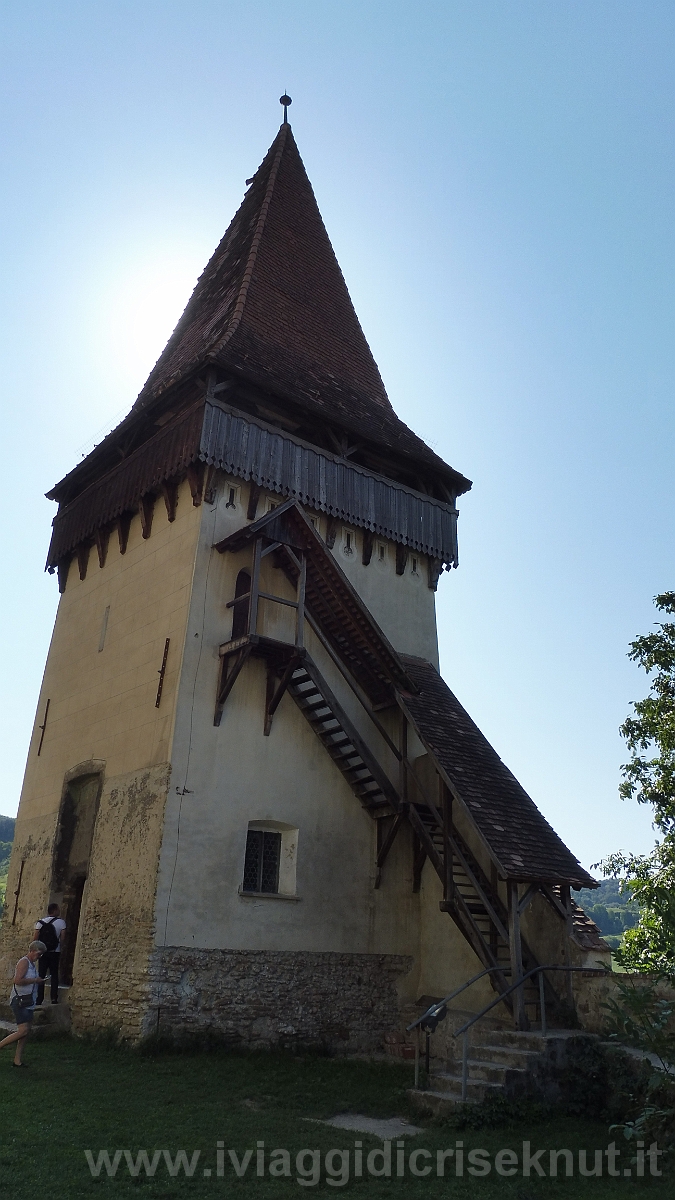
263 998
115 941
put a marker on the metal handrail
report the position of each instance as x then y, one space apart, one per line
464 1029
435 1008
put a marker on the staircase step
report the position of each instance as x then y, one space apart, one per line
507 1056
518 1040
439 1101
480 1071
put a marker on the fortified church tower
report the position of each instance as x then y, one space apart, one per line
259 804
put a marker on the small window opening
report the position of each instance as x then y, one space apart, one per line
261 865
349 543
240 617
414 567
232 499
381 552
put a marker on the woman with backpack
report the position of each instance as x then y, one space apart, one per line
22 999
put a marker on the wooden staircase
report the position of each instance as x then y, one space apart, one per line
344 744
471 899
474 903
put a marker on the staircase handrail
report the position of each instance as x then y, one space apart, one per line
435 1008
463 1030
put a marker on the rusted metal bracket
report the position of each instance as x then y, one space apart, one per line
43 726
18 891
162 672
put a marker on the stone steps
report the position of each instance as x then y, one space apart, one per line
48 1020
507 1063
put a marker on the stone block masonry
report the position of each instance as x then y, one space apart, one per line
266 998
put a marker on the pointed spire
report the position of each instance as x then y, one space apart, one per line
273 302
272 307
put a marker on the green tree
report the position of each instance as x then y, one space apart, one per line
649 778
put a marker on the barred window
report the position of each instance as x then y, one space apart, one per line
261 865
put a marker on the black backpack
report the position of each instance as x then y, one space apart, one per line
48 935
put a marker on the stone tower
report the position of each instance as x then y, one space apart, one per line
259 804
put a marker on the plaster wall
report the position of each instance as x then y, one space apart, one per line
102 686
233 775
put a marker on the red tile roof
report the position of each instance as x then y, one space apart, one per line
520 838
272 306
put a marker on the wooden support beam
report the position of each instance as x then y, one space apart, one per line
446 808
566 900
403 758
170 494
146 510
274 695
231 666
123 527
425 840
368 543
401 558
102 537
516 949
300 615
253 500
419 859
528 897
557 906
383 850
255 588
494 886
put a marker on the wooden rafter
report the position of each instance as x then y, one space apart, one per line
83 558
170 494
123 527
195 474
146 509
102 538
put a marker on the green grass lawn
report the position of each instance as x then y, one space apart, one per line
78 1096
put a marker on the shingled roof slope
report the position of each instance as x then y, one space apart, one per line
521 839
273 306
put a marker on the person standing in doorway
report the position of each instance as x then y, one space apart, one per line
50 930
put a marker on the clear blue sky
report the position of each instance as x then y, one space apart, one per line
497 181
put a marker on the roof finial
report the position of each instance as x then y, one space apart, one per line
285 100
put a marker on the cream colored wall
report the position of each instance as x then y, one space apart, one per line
404 606
233 774
102 707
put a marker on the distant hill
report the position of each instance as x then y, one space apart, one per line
6 838
7 829
612 912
